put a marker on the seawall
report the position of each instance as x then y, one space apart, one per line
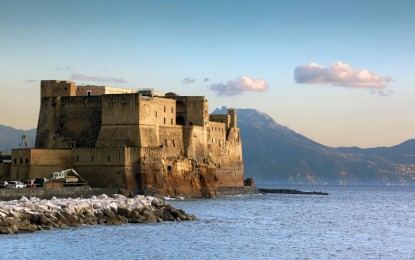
64 192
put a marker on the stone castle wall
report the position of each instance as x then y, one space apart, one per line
128 140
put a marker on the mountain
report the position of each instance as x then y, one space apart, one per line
275 154
11 138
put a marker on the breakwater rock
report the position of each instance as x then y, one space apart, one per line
33 214
290 191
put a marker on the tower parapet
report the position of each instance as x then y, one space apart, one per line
57 88
233 118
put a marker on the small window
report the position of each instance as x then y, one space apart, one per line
169 169
164 120
77 158
171 121
88 92
165 141
21 161
172 109
108 158
61 125
174 144
66 88
15 161
164 109
27 161
156 113
92 158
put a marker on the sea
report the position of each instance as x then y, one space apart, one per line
352 222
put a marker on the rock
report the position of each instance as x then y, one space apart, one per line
167 216
29 215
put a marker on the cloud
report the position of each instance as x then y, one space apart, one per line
80 76
65 68
188 81
30 80
206 79
239 86
339 74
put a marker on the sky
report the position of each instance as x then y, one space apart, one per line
338 72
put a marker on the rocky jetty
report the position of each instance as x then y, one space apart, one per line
33 214
290 191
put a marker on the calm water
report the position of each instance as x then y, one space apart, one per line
350 223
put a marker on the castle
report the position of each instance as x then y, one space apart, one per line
129 139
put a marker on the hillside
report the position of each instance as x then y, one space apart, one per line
11 138
276 154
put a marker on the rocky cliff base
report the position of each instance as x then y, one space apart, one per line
29 215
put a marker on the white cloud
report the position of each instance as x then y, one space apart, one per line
239 86
339 74
188 80
80 76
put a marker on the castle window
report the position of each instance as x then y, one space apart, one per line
171 120
88 92
169 169
27 161
15 161
165 141
164 109
21 161
156 113
164 120
77 158
174 144
172 109
65 88
108 158
61 125
92 158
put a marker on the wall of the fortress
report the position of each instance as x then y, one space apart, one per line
119 120
196 111
227 158
157 111
67 122
171 138
195 143
36 163
103 167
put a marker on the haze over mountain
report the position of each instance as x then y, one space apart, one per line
274 153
